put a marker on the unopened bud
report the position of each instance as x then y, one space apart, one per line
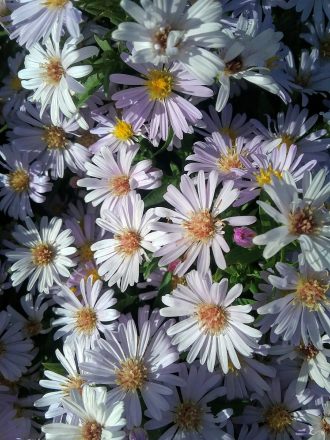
243 237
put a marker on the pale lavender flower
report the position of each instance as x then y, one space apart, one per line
110 178
155 98
196 226
320 423
22 182
136 360
212 327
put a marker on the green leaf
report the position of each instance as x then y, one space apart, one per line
149 266
243 256
104 44
55 367
92 84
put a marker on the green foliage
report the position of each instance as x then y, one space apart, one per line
101 9
55 367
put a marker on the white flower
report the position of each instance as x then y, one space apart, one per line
36 19
304 219
320 423
82 320
97 419
119 257
15 351
110 178
213 328
196 226
169 31
49 73
42 257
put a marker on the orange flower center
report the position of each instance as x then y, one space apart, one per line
201 226
86 320
131 375
42 254
303 221
91 430
53 71
311 293
120 185
212 319
308 351
73 383
129 242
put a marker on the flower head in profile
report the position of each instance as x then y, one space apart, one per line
303 218
196 226
42 257
53 79
213 328
32 20
97 418
155 98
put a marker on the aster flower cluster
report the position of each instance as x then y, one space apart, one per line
164 219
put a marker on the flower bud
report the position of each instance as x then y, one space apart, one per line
243 237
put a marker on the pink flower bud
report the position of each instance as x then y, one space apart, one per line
243 237
172 266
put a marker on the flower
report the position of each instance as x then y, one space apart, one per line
15 351
320 423
82 320
136 362
303 219
307 7
41 257
169 31
12 90
196 226
51 144
154 99
243 237
213 328
190 415
49 74
36 19
119 257
111 178
300 309
97 418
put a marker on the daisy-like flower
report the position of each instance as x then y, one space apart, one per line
155 98
292 128
41 257
222 154
136 362
22 182
60 383
32 325
190 415
312 362
244 57
213 328
50 74
97 418
110 179
278 413
82 320
119 257
115 132
320 423
318 37
167 32
301 307
304 219
260 170
51 144
196 226
16 352
32 20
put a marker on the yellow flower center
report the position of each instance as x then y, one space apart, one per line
159 84
33 327
123 130
86 320
55 3
227 162
288 140
264 175
201 226
212 318
302 221
119 185
311 293
129 242
188 416
19 180
15 83
73 383
278 418
308 351
42 254
54 137
53 71
91 430
85 252
131 375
